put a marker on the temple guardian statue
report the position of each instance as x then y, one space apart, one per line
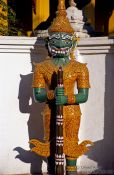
60 44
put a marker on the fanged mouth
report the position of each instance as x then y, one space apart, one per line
62 51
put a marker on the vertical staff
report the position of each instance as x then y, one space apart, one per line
59 156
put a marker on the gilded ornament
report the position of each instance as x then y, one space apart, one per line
61 22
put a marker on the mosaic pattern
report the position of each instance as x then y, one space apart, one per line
73 72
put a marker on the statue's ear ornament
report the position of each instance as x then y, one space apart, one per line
74 47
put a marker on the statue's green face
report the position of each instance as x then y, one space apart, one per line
60 44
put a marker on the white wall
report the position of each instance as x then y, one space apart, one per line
18 112
20 117
92 124
98 112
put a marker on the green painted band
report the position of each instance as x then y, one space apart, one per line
70 162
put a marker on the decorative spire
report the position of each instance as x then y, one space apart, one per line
61 22
61 5
72 3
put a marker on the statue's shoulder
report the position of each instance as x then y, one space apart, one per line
44 63
79 66
45 66
77 63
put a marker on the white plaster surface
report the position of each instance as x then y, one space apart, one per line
92 123
20 117
13 124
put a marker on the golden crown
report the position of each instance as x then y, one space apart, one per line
61 22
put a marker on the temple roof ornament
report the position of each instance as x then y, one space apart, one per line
76 20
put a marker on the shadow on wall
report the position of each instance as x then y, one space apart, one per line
35 122
103 151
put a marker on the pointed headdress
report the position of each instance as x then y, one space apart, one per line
61 22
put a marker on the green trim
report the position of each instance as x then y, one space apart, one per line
71 173
71 162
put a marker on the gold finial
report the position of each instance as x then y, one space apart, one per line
61 22
61 5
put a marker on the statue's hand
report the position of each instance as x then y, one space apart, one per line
61 99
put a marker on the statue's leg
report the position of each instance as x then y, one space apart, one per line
49 134
71 168
71 128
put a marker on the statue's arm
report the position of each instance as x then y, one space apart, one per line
39 85
82 95
40 94
83 85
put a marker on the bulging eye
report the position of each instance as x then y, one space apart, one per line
67 42
52 42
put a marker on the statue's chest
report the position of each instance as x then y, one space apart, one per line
69 77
